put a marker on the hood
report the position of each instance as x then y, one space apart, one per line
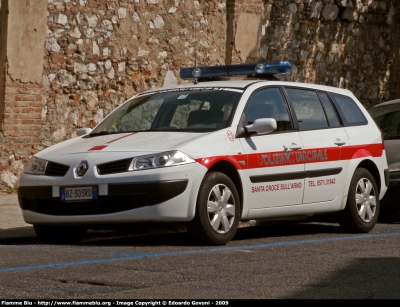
138 142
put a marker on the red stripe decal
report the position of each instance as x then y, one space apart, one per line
101 147
280 158
359 151
209 161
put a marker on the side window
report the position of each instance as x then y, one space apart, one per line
329 110
388 119
307 106
348 110
269 103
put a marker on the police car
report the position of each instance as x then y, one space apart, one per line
211 154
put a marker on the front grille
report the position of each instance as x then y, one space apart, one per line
56 169
104 205
113 167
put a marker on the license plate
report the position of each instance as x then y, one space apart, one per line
79 193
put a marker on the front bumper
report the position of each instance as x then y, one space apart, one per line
121 197
163 195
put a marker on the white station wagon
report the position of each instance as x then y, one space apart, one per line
211 154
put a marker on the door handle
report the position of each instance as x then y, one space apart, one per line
294 146
339 142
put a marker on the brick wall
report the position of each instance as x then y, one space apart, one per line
21 104
22 122
3 39
21 127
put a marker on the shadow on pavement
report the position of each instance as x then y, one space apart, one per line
172 235
176 234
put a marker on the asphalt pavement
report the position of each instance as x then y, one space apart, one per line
272 261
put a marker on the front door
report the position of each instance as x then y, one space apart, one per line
273 177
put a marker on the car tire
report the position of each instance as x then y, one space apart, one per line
362 208
60 234
217 210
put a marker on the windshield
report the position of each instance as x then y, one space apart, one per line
388 119
197 110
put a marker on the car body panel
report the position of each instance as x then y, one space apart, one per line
249 156
392 148
327 164
390 129
266 160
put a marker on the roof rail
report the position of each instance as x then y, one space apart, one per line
259 70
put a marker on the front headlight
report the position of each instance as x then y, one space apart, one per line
36 166
163 159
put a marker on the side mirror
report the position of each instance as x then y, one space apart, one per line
262 125
83 131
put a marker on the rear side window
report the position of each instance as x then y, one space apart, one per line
388 119
349 111
329 110
307 106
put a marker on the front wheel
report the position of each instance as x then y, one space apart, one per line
362 208
217 210
50 234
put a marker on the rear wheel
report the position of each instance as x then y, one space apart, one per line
217 210
50 234
362 207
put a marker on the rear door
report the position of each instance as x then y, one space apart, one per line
323 137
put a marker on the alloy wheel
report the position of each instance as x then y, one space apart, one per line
221 208
365 200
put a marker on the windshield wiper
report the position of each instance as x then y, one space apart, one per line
99 133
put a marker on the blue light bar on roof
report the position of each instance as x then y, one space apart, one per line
272 68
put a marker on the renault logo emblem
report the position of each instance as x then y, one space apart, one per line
82 168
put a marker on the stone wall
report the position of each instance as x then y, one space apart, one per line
341 43
99 53
395 68
66 64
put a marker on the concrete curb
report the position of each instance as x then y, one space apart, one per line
12 224
10 212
